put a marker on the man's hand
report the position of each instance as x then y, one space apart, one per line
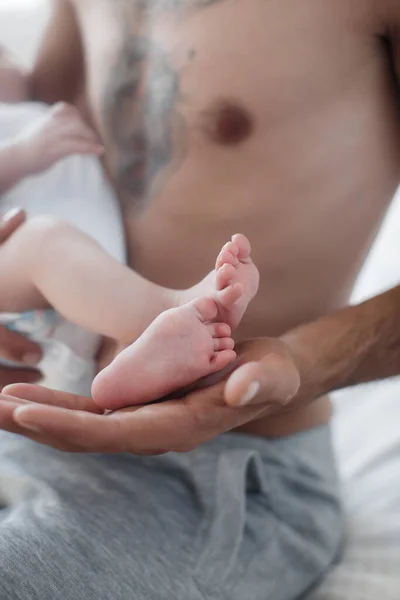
75 424
59 133
14 347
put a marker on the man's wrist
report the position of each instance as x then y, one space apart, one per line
326 351
302 353
354 345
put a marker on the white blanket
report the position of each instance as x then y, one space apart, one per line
367 441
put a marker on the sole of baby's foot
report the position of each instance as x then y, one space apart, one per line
181 346
236 280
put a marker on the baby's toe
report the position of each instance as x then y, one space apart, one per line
225 343
224 276
219 330
243 246
230 295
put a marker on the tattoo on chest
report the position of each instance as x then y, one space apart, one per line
166 4
147 131
142 118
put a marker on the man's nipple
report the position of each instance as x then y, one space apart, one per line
227 123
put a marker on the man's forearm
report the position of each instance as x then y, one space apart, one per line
354 345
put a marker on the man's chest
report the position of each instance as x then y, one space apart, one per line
239 117
273 58
195 88
285 40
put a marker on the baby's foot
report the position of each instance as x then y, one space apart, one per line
180 346
233 283
236 280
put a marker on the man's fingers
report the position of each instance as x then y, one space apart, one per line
88 431
7 423
10 376
150 429
16 348
175 425
7 408
42 395
10 222
69 421
274 380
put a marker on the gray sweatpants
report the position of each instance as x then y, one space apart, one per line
241 518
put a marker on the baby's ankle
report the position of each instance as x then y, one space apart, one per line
175 298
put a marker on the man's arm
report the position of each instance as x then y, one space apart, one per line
351 346
58 73
355 345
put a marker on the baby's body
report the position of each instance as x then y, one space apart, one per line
51 262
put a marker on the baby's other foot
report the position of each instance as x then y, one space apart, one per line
236 280
182 345
233 283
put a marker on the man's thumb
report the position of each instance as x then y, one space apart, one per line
272 380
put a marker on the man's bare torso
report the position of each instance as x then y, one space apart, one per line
275 118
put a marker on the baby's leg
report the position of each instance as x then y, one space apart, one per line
50 263
17 292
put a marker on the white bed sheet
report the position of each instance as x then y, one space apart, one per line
367 441
367 421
